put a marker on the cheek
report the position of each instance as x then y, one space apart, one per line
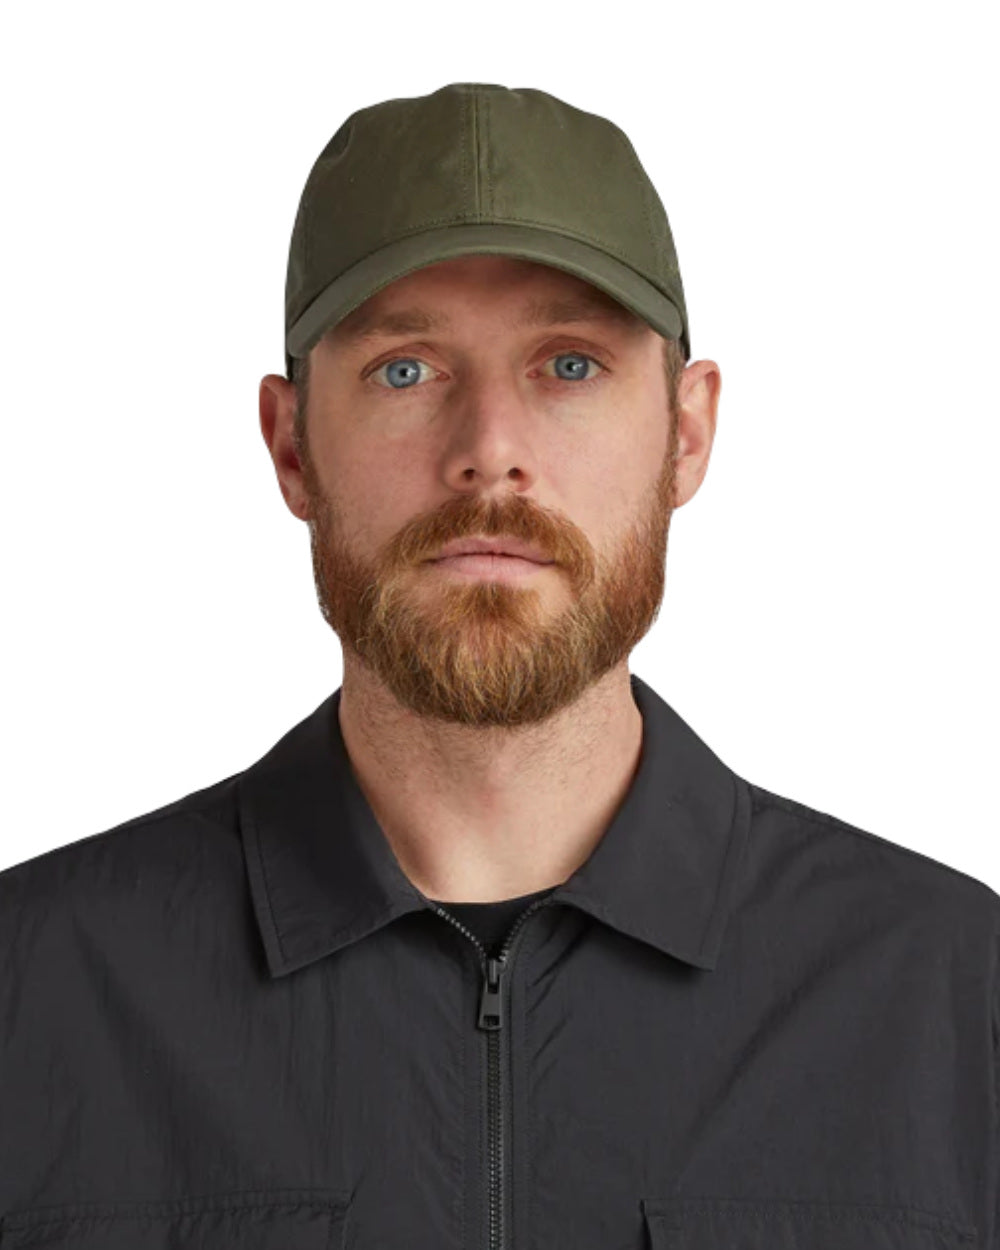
604 487
378 493
592 471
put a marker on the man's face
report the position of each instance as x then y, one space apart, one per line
487 426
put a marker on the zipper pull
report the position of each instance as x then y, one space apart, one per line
491 1000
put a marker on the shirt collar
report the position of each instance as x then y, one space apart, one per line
323 874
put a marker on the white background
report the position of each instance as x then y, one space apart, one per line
830 619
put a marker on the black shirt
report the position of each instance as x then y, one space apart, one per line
741 1023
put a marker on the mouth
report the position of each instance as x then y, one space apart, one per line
509 549
488 555
493 564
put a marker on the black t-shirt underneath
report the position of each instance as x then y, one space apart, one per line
491 922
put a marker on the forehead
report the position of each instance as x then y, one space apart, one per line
538 294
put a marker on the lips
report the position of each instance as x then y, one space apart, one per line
494 547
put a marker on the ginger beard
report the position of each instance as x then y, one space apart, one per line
481 652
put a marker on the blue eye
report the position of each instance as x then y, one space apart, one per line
405 370
577 370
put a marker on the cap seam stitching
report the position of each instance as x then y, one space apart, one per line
473 108
486 149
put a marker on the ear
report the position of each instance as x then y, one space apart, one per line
697 410
277 420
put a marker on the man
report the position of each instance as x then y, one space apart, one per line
478 688
491 949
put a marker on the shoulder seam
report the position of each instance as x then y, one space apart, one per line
176 811
762 798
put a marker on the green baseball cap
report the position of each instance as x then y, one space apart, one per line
477 168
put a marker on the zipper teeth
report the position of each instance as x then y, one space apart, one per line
493 1060
508 940
468 933
496 1145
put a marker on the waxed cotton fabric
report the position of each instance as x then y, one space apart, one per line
741 1023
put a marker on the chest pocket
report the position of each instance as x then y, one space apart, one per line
731 1224
267 1219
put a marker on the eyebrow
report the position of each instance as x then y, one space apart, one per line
361 326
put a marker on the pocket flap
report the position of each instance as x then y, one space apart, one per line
272 1219
735 1224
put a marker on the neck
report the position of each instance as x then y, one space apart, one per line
479 815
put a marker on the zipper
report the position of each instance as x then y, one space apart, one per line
492 1020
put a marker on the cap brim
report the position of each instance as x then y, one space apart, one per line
396 259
